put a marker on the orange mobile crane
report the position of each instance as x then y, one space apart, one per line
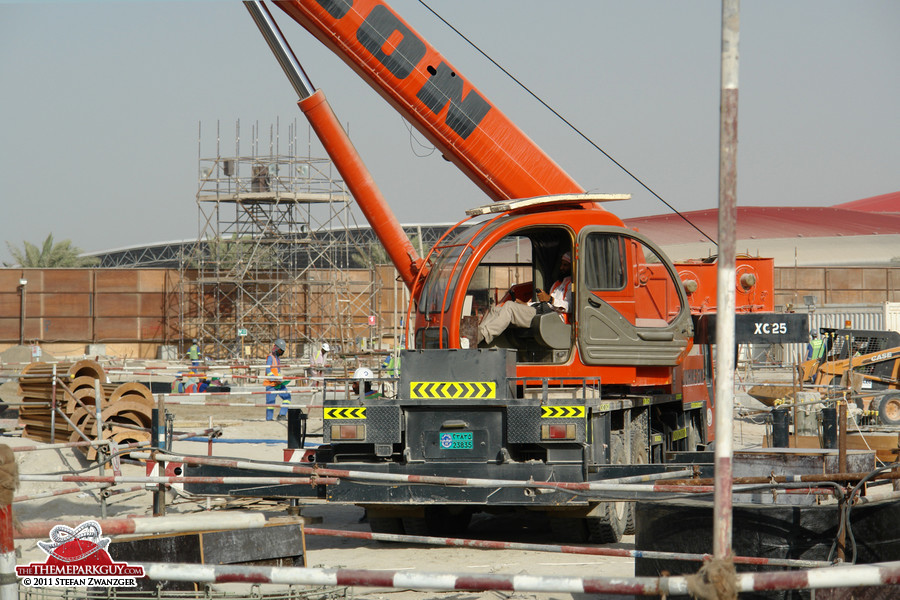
609 389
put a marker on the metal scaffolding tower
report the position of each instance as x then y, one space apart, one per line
274 254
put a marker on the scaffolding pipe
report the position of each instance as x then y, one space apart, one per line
63 492
809 478
179 436
162 480
149 525
827 578
605 485
563 549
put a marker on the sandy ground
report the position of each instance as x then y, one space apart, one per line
326 552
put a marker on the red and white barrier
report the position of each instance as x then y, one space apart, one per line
831 577
149 525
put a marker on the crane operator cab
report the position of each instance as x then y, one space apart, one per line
625 304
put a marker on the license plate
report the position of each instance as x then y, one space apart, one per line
456 441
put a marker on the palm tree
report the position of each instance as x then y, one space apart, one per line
375 254
49 255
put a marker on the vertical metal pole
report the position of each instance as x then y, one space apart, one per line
22 316
101 450
725 301
159 428
842 467
53 407
796 395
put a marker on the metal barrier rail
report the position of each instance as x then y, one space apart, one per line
563 549
148 525
623 488
314 480
826 578
608 485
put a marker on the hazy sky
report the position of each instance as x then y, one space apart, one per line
102 103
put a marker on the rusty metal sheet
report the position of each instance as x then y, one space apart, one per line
116 305
63 281
152 280
116 329
61 329
115 280
66 305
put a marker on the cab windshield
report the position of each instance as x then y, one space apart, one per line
448 261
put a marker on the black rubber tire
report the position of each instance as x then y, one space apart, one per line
445 521
568 530
415 526
440 521
609 525
386 525
889 409
640 455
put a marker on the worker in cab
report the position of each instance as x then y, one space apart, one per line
815 349
519 313
275 382
363 376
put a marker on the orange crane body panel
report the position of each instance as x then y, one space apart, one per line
425 88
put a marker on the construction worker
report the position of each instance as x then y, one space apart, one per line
194 353
391 369
275 382
364 375
816 346
520 314
319 363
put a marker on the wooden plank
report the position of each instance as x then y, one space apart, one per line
284 544
884 444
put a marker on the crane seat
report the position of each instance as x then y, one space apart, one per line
550 330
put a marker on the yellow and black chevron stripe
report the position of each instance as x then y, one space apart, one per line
561 412
345 412
452 389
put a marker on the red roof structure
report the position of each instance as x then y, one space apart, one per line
879 215
885 203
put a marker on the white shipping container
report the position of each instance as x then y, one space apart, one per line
892 316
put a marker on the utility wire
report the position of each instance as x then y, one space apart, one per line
566 121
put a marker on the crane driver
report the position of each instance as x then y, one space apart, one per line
520 313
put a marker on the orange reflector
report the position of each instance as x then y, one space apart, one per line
348 432
558 432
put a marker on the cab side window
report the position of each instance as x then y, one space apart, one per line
605 256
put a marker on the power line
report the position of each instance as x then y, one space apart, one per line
564 120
